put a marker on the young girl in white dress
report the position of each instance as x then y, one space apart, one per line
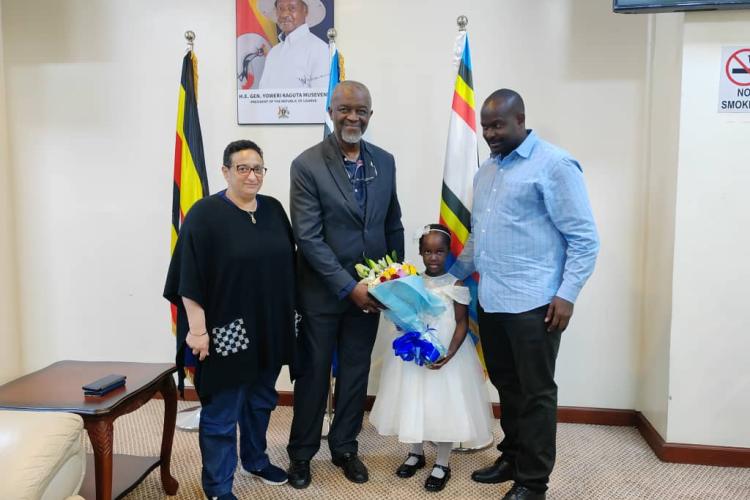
446 402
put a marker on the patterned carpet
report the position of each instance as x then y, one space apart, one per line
593 462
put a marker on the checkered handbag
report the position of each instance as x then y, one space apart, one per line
231 338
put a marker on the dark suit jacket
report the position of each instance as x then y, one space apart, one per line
331 231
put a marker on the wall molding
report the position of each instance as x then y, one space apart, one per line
722 456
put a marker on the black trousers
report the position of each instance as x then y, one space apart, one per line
353 334
520 357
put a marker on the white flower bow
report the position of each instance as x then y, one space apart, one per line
421 232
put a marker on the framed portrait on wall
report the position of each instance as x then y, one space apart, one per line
283 60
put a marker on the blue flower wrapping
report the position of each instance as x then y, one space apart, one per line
406 300
422 348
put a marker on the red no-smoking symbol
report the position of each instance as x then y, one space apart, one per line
738 70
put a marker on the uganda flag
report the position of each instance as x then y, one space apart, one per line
461 163
190 180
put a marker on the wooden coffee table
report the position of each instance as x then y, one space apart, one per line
58 388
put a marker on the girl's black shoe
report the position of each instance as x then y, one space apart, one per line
436 484
405 470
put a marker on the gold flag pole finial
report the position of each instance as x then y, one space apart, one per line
190 38
331 35
462 21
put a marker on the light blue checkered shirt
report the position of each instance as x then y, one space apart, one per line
533 234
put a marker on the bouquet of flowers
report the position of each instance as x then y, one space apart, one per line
398 286
385 269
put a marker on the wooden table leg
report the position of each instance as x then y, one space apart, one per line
169 393
100 434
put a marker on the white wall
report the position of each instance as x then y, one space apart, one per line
662 127
10 354
92 92
577 98
709 380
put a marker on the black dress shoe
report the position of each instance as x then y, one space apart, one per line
405 470
499 472
518 492
354 470
437 483
299 474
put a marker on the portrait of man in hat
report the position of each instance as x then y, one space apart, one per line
300 59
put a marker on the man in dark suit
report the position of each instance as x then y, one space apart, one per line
343 207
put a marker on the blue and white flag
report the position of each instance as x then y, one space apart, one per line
335 76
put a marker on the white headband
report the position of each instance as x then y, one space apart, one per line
427 230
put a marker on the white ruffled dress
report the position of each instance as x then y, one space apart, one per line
446 405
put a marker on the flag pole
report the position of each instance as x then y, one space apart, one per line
189 419
328 416
463 21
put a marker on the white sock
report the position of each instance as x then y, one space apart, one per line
443 458
417 449
437 472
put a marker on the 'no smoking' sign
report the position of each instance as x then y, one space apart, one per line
734 84
738 67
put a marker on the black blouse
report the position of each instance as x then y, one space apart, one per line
242 274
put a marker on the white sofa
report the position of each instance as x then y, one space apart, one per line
41 455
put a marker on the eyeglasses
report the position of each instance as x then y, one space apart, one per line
245 170
366 180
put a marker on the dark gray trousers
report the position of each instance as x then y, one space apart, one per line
352 333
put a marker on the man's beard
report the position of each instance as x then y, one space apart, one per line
351 137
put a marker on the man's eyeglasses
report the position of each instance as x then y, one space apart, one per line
245 170
366 180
